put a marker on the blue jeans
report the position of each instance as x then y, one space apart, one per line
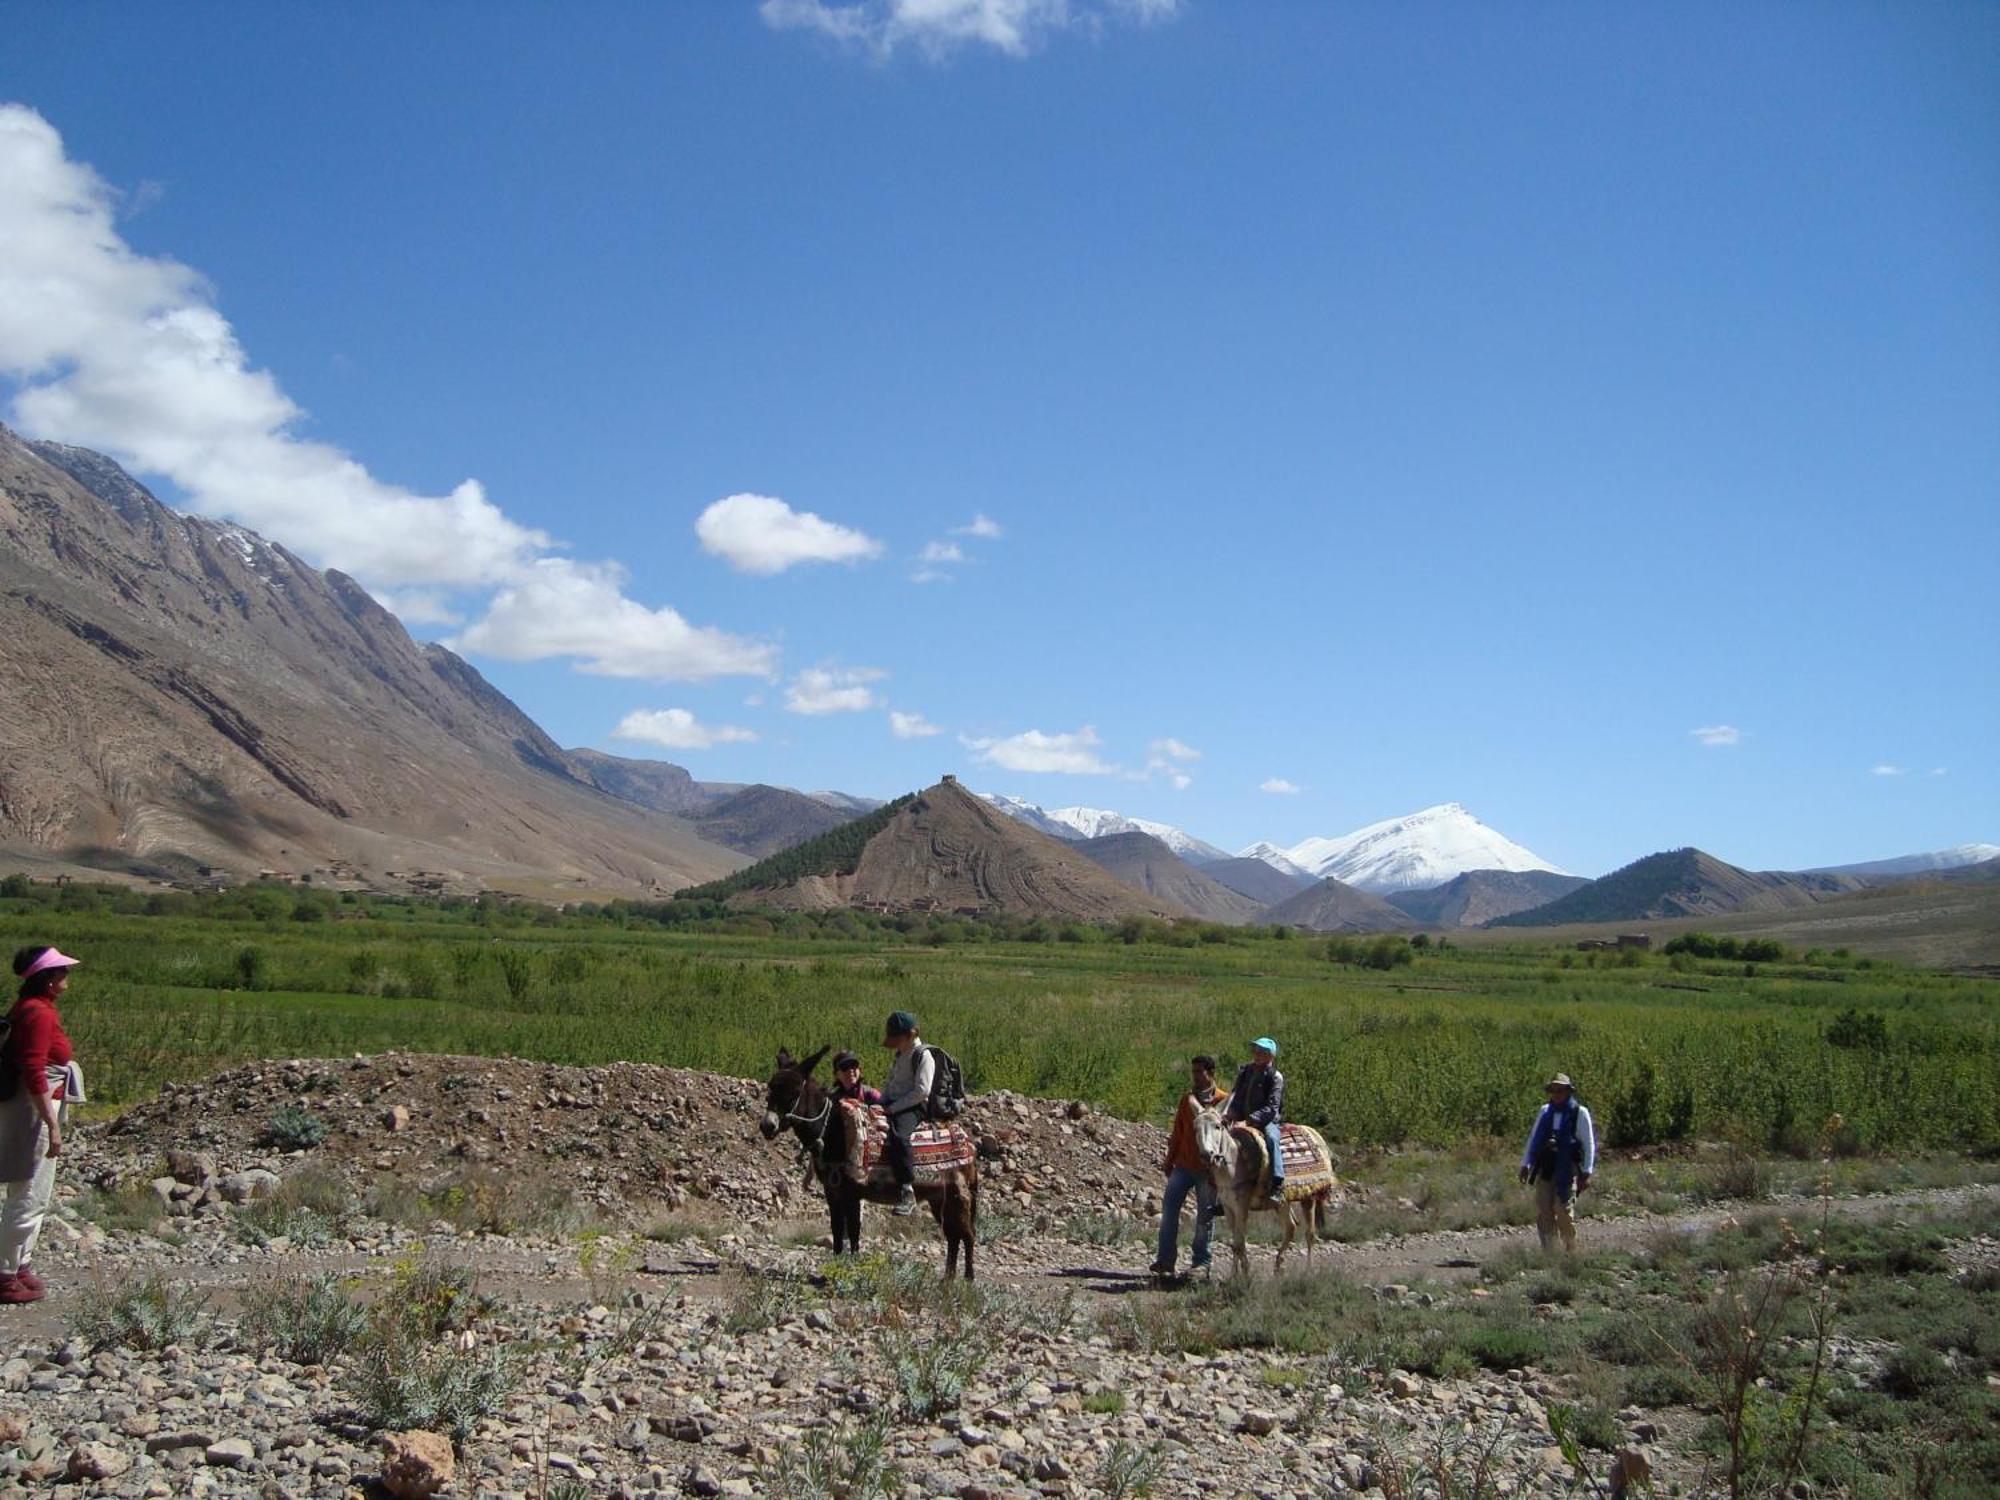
1180 1182
1273 1143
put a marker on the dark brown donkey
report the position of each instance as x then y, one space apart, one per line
794 1100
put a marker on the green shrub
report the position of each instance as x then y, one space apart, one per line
152 1314
308 1319
293 1127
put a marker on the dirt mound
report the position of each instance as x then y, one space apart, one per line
631 1140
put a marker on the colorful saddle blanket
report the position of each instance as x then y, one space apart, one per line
934 1149
1308 1164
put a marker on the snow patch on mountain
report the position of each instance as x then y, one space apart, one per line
1276 858
1077 823
1918 864
1414 852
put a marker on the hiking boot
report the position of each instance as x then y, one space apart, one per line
14 1291
1156 1269
29 1280
1277 1198
905 1205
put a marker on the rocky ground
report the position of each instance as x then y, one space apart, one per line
635 1304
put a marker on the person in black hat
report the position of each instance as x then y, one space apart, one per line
847 1082
906 1095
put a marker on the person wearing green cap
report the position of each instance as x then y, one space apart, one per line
906 1094
1259 1099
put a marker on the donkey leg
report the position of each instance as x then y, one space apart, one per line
970 1223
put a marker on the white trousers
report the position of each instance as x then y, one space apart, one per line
25 1207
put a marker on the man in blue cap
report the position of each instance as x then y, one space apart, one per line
1259 1099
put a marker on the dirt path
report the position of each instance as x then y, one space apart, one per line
550 1276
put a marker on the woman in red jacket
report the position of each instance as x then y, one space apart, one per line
36 1072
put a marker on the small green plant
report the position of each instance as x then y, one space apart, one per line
931 1366
293 1127
765 1302
307 1319
1108 1402
154 1313
1130 1469
439 1386
427 1298
848 1463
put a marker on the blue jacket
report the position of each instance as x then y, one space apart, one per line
1259 1096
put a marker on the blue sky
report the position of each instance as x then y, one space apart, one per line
1407 404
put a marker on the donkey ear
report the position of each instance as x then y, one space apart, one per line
806 1065
784 1058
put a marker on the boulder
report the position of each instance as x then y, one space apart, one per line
89 1461
248 1186
416 1464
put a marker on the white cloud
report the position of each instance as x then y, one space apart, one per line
1277 786
941 552
1069 754
1885 769
833 690
939 27
1717 734
677 729
1167 757
763 535
566 608
911 726
982 526
127 354
1938 770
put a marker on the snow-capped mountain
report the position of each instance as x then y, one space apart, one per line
1414 852
1919 864
1078 823
1276 858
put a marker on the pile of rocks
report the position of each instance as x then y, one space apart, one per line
629 1139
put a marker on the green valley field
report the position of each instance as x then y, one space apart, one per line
1438 1046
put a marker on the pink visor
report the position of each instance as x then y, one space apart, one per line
50 960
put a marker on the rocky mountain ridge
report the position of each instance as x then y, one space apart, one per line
181 692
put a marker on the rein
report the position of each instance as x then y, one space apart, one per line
816 1124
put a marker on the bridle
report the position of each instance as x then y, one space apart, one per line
815 1124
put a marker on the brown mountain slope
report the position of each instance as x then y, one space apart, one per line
1147 864
176 689
1480 896
1682 883
1332 906
946 849
1253 878
658 784
761 820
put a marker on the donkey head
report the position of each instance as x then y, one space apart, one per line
1212 1139
787 1088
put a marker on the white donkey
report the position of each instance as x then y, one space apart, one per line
1236 1167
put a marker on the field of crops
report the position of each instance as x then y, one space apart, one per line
1450 1045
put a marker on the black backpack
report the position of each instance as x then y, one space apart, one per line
947 1085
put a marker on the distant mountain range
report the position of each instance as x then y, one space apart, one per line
1682 883
1481 896
1918 864
946 850
1334 906
1414 852
1074 824
1146 863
